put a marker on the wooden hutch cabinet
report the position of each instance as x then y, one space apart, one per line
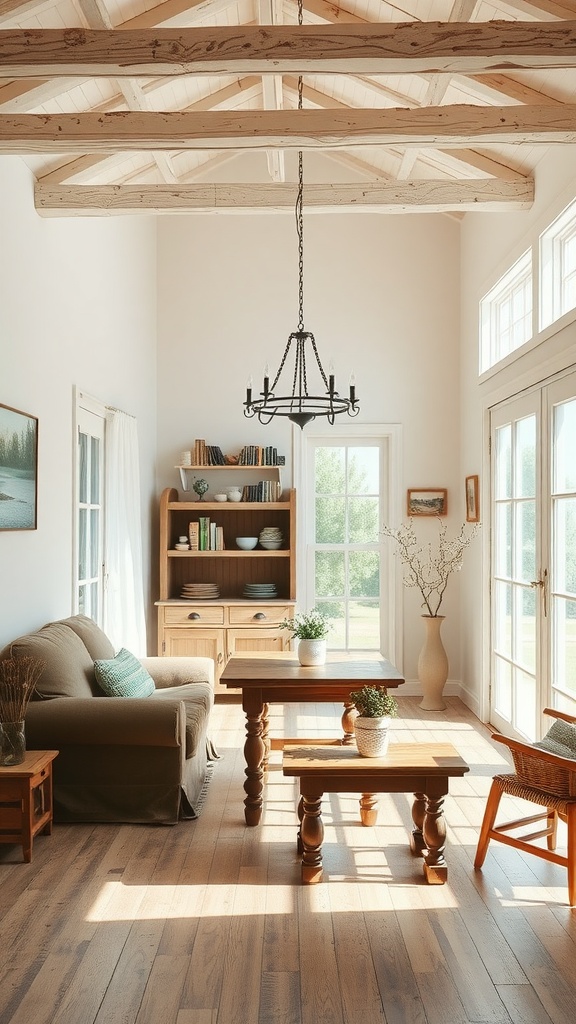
230 623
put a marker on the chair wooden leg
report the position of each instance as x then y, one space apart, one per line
571 858
552 824
492 804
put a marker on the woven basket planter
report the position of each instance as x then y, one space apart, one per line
372 735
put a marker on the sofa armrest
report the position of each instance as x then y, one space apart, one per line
105 721
176 671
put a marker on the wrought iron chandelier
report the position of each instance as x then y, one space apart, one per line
299 405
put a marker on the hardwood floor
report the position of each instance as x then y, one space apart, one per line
207 923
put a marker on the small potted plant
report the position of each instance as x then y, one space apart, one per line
200 487
311 630
375 708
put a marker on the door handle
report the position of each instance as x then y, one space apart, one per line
542 585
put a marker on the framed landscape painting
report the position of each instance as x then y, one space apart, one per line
18 469
427 501
472 500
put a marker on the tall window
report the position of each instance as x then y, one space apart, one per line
506 314
558 267
89 585
345 485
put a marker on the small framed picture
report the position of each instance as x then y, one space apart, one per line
472 500
18 469
427 501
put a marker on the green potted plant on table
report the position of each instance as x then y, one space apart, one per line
311 630
375 708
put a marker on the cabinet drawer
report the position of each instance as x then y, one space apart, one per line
194 614
258 614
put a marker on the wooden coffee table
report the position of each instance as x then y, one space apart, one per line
279 678
419 768
26 799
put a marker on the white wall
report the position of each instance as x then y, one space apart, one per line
77 307
490 245
382 298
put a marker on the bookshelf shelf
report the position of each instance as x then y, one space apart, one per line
232 553
234 469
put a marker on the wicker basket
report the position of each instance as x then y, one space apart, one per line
543 775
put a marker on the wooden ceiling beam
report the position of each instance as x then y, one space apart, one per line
396 197
409 48
442 127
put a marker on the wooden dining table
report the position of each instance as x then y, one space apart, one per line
279 678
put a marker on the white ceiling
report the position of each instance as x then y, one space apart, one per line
381 163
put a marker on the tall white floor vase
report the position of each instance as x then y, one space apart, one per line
433 665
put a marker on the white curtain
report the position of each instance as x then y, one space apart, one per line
124 619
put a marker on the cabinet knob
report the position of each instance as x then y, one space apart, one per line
259 615
194 615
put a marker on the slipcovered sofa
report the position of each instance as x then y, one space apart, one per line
121 759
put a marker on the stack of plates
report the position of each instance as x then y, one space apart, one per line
199 591
260 591
271 538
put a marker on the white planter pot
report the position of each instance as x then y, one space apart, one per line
372 735
312 652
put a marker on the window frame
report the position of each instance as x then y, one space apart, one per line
491 306
552 245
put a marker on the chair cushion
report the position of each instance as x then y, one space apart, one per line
68 668
94 639
123 676
560 739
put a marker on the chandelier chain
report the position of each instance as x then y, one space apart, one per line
299 203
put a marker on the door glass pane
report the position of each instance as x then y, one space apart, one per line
503 540
503 475
83 467
329 470
525 567
330 520
95 470
364 617
503 618
335 611
364 573
525 457
330 574
564 645
525 703
82 543
564 473
565 545
525 639
94 549
502 689
363 520
363 470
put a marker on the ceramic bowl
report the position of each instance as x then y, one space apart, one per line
246 543
271 545
220 497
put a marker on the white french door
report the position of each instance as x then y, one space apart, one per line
533 557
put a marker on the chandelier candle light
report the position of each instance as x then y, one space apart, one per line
300 406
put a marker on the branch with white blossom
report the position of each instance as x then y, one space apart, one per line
427 569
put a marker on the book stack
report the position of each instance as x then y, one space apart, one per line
206 535
256 455
207 454
199 453
265 490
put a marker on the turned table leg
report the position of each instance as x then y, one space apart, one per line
348 717
417 843
434 831
265 736
311 834
368 809
254 753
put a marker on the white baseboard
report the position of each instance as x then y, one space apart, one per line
453 688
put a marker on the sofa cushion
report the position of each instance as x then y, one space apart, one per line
197 698
68 668
123 676
560 739
94 639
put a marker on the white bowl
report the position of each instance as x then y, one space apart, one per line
271 545
246 543
220 497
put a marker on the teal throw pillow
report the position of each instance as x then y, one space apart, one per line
123 676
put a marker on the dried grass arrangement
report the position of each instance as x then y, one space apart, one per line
18 677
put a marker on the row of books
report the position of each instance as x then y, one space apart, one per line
265 490
205 535
207 454
256 455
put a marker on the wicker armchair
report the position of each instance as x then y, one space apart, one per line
542 778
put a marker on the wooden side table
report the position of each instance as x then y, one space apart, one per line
26 799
